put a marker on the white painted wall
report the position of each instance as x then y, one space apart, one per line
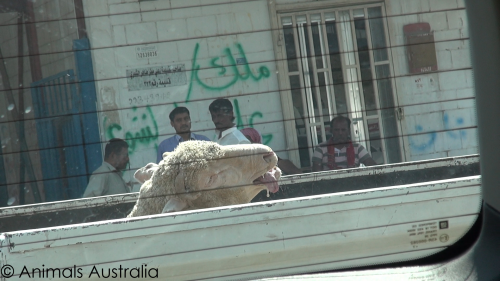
117 28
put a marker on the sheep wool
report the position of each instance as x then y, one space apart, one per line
202 174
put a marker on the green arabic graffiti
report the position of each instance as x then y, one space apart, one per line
246 74
266 139
143 136
263 71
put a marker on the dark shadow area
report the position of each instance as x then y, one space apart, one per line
376 179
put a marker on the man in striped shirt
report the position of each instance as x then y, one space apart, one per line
339 152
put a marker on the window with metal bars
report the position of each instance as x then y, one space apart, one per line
339 63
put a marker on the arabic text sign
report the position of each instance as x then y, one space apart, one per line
156 77
145 52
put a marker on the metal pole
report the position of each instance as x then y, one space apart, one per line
32 40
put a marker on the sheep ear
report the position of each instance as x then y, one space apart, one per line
174 205
211 181
145 173
139 175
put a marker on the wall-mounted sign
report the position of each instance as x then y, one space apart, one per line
146 52
156 77
420 47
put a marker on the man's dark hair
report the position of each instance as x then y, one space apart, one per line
223 105
177 110
340 118
114 146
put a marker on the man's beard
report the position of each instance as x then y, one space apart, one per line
341 140
184 130
220 126
122 167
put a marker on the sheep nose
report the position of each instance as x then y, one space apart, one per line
268 156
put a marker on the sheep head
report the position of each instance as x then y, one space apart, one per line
252 166
143 174
200 174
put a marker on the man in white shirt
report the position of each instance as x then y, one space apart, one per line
223 118
107 179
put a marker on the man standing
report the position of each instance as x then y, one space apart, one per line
339 152
223 117
107 179
181 121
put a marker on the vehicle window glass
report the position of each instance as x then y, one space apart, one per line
95 90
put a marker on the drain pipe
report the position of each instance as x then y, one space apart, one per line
80 19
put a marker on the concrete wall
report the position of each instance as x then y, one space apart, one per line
179 31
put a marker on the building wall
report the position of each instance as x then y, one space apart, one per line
56 30
439 108
439 118
213 32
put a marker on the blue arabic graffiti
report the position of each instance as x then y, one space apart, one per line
426 144
452 133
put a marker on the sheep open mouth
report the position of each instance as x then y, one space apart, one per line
269 180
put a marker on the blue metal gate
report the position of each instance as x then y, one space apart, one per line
57 107
66 121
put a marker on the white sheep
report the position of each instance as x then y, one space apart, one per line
201 174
